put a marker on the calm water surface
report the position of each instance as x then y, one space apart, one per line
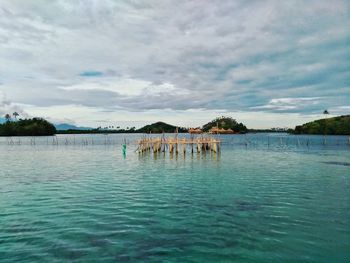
265 198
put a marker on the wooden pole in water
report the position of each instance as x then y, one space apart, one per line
155 146
198 147
192 137
214 148
171 147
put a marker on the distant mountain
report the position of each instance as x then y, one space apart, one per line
334 126
66 126
160 127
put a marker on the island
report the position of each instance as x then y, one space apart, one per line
329 126
161 127
224 125
27 127
221 125
158 127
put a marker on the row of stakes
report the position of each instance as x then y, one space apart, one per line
66 141
172 145
156 144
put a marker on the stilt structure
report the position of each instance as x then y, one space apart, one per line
177 145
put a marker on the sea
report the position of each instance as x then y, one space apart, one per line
262 198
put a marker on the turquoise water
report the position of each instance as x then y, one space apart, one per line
265 198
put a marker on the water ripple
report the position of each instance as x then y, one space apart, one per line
88 204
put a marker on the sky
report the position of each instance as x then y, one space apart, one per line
129 63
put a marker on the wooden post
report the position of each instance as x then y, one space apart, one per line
214 147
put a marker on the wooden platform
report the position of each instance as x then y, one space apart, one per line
177 145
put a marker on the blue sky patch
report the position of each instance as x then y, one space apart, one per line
91 73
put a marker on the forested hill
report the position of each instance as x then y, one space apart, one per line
226 123
27 127
333 126
160 127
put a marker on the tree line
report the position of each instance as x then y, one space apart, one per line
26 127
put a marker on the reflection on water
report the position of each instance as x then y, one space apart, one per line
206 156
264 198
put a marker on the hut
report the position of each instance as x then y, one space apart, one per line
195 131
216 130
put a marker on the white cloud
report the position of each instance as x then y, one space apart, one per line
285 104
233 56
7 107
126 86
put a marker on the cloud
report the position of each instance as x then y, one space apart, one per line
341 110
7 107
289 104
125 87
232 56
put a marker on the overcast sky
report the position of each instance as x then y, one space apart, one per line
127 63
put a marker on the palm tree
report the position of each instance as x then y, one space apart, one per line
15 114
8 117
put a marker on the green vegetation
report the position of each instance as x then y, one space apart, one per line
26 127
333 126
225 123
160 127
40 127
